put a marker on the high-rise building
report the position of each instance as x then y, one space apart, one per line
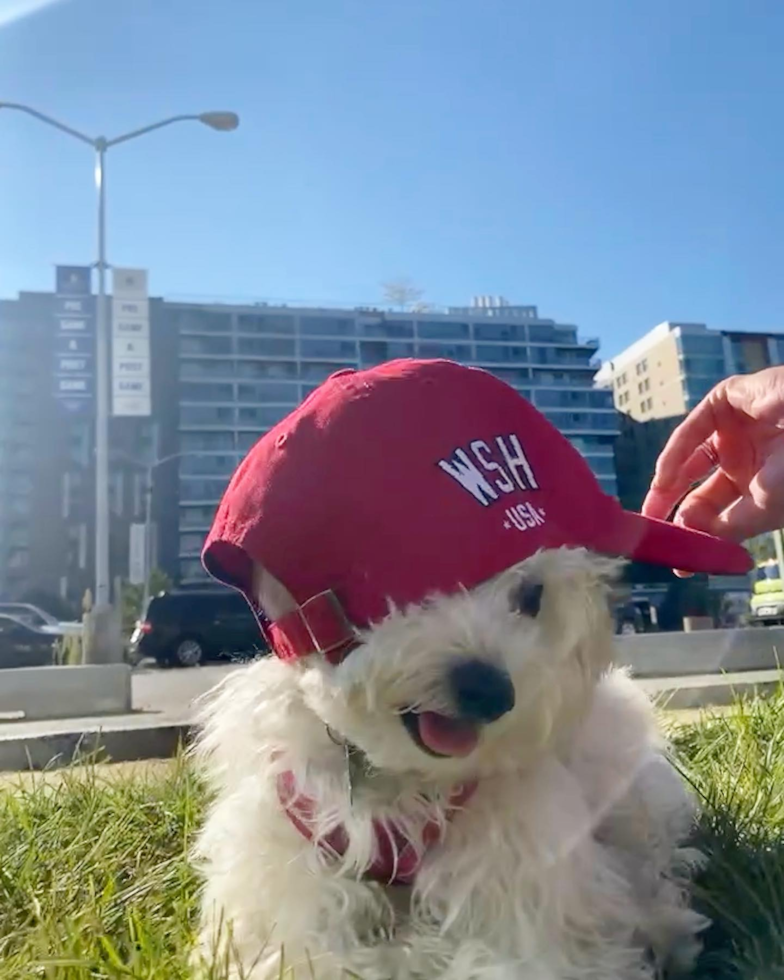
242 369
221 376
669 370
47 464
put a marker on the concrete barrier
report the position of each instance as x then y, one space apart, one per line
701 652
33 693
124 743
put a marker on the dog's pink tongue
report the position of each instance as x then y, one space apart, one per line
447 736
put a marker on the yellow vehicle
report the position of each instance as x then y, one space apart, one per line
767 594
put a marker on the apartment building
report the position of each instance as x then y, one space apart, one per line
669 370
242 369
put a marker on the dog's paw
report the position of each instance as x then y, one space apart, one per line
675 941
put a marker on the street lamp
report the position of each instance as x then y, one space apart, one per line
106 637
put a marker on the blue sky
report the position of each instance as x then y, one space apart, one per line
616 162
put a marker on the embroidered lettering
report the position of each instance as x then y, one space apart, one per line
478 447
516 460
462 469
523 517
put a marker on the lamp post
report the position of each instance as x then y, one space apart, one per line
150 469
105 645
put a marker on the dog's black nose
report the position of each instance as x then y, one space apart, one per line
481 691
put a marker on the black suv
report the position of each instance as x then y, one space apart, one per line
24 645
185 628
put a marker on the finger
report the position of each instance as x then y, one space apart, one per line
671 478
662 497
745 519
703 507
762 508
759 395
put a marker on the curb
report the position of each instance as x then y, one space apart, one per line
26 752
711 690
134 740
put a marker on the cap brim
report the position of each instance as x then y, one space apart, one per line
647 539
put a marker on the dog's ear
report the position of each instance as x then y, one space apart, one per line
271 595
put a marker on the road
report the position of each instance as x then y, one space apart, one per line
172 692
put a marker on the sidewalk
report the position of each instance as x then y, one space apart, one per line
166 702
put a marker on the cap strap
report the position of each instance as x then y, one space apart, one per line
317 626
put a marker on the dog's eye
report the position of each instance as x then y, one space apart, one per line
527 598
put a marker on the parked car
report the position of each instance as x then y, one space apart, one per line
24 645
35 616
635 616
187 627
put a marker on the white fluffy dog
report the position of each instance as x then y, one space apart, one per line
477 750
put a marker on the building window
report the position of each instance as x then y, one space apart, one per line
205 345
541 333
200 517
583 420
206 415
198 490
388 329
501 355
266 346
339 349
202 321
265 323
261 416
278 369
513 376
206 441
193 370
327 326
499 331
192 392
429 330
551 355
454 352
557 398
191 570
378 351
564 335
275 392
710 344
206 465
313 371
642 367
191 544
247 440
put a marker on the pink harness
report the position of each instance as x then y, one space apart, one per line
398 859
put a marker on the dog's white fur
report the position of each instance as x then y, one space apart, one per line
569 861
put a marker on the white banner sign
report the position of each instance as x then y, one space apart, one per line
137 563
129 284
131 389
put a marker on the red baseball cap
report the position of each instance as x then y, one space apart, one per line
412 478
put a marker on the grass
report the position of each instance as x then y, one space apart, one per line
95 881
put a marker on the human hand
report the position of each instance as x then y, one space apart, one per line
737 431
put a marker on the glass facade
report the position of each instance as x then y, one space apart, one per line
702 364
16 458
241 371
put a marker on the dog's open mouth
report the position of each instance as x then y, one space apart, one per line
441 735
